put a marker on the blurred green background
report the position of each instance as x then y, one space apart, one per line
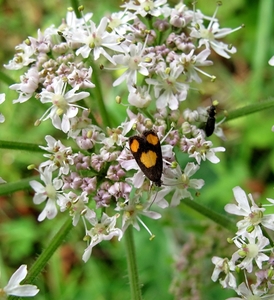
177 263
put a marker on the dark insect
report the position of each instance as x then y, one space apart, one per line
210 123
146 149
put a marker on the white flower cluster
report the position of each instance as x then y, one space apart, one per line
255 253
155 52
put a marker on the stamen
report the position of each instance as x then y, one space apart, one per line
212 77
43 116
214 15
144 225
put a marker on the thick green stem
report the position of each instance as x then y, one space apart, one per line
75 5
263 36
28 147
20 146
132 265
45 256
6 79
21 185
98 94
247 110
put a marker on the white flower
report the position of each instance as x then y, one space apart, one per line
271 201
209 36
60 157
134 119
271 61
2 181
253 215
115 137
135 62
218 131
102 230
139 97
95 40
22 58
42 44
180 15
80 77
251 248
191 116
201 149
14 288
179 182
223 265
191 62
120 190
72 22
118 22
29 84
131 211
47 192
2 99
249 292
168 89
146 7
62 104
77 206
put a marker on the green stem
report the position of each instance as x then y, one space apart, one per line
75 5
212 215
28 147
45 256
262 37
12 187
246 110
20 146
132 265
98 94
5 78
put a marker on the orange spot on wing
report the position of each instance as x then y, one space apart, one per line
149 159
152 139
134 146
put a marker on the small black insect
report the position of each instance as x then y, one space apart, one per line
210 123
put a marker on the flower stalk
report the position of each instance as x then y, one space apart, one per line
133 276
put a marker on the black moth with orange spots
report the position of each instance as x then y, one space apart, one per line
146 149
